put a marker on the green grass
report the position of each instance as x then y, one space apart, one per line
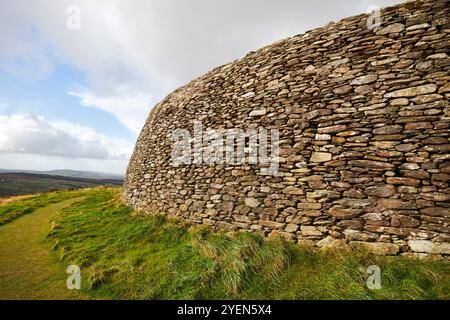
28 270
128 256
14 184
23 187
14 209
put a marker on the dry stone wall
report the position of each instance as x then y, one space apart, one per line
364 123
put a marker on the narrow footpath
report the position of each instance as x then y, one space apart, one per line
28 269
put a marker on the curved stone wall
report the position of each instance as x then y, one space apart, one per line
364 137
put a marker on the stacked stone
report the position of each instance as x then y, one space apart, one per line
364 123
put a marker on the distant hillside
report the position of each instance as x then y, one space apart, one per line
70 173
20 183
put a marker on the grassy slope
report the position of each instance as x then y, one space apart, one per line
12 184
124 256
11 210
28 270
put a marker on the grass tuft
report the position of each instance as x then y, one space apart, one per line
124 255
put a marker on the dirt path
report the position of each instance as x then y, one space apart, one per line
28 270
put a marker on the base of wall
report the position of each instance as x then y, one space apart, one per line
411 248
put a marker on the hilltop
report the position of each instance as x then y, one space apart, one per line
70 173
22 183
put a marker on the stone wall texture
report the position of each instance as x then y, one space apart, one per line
364 122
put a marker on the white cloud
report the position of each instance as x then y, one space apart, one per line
32 134
130 108
150 47
3 106
23 52
132 54
25 161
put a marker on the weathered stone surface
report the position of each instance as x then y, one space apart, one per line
429 246
321 157
381 191
323 194
310 231
252 202
410 166
257 113
392 28
399 102
322 137
404 221
291 228
412 92
343 89
370 78
344 213
436 196
332 243
436 211
403 181
355 203
271 224
445 88
395 204
278 233
356 235
379 248
407 189
364 137
226 206
309 205
373 164
332 129
391 129
418 126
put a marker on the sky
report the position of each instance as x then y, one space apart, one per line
78 78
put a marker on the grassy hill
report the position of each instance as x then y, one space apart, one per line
71 173
21 183
124 255
83 174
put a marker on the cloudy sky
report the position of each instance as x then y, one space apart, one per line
78 78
